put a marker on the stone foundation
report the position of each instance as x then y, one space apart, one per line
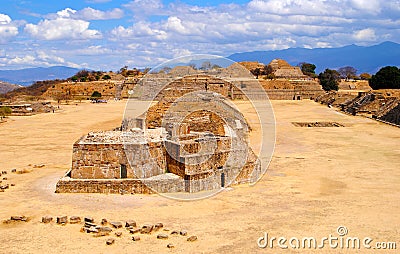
167 183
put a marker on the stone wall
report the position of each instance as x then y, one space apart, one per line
103 161
392 116
167 184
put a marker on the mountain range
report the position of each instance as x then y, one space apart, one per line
28 76
365 59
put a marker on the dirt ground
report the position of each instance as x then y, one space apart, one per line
318 179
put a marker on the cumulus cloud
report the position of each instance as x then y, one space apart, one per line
367 34
158 31
144 8
62 28
8 29
37 58
87 13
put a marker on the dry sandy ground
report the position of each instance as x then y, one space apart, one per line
318 179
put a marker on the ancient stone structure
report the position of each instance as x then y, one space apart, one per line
283 69
378 105
176 146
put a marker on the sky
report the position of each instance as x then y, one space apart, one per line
107 35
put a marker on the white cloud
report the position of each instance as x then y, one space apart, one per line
62 28
367 34
37 58
66 13
87 13
369 6
4 19
92 14
144 8
8 29
138 31
158 31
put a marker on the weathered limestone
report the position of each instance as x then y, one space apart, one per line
74 219
116 224
47 219
135 238
146 229
192 238
162 236
130 223
110 241
62 220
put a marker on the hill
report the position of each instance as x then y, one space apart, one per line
28 76
6 87
364 59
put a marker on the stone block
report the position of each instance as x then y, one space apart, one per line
146 229
162 236
130 223
110 241
62 220
89 219
47 219
116 224
74 219
135 238
192 238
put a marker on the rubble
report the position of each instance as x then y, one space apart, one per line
130 223
74 219
192 238
62 220
110 241
146 229
116 224
162 236
135 238
47 219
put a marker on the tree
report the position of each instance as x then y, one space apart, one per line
105 77
206 65
386 78
365 76
193 65
267 70
308 69
4 111
348 72
256 72
329 80
123 70
82 73
96 94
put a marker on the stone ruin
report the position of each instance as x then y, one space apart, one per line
378 105
178 145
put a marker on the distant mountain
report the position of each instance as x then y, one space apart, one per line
364 59
6 87
28 76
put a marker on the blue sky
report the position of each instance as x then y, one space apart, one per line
106 35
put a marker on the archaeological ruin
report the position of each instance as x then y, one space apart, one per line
191 139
